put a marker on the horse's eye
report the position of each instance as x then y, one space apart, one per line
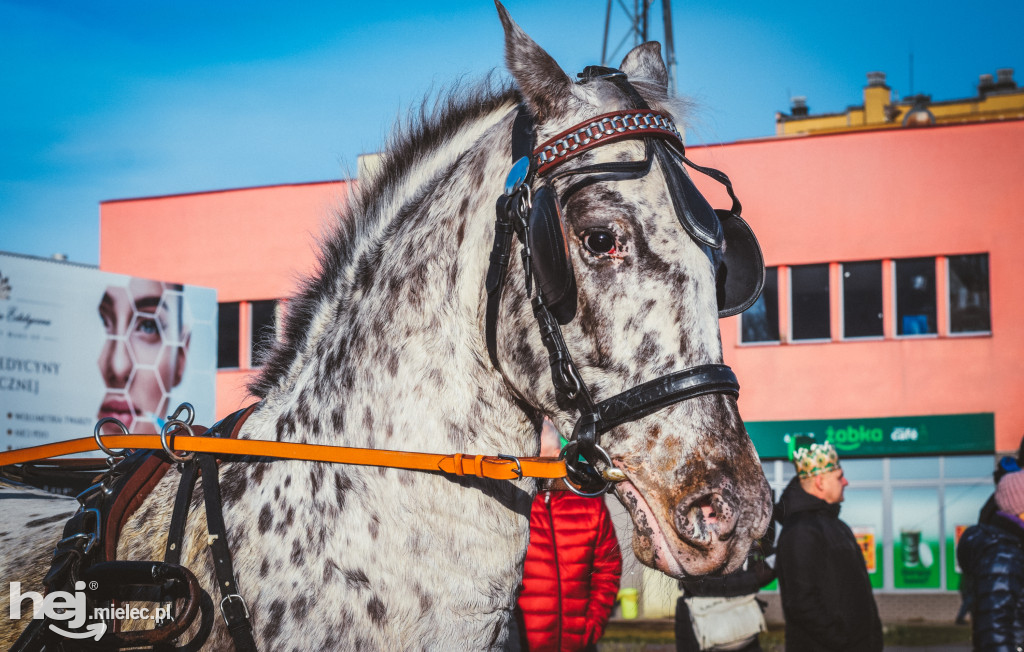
599 242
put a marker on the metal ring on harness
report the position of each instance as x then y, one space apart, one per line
570 449
175 423
184 407
98 436
525 200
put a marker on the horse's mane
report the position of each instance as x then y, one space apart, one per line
338 259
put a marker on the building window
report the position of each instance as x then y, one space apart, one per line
862 299
227 335
760 322
915 296
263 330
809 290
968 294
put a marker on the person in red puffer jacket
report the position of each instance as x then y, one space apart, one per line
572 569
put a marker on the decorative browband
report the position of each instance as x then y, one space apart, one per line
601 130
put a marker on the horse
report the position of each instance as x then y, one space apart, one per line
385 346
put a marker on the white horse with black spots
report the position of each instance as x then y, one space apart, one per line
386 347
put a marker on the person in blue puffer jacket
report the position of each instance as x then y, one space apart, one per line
993 555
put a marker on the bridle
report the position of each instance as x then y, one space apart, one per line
530 210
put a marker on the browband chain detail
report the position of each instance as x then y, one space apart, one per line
603 129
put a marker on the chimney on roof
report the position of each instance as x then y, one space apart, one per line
1004 80
877 96
985 84
798 107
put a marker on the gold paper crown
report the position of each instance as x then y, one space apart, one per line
814 459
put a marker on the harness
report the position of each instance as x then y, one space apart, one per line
84 560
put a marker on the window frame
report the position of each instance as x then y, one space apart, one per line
778 326
843 337
238 335
949 303
253 336
895 304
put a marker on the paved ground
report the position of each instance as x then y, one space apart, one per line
619 646
656 635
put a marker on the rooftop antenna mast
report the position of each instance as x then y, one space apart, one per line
637 33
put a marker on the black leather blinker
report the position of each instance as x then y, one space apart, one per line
743 266
692 209
551 263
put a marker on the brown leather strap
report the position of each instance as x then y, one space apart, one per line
135 490
484 466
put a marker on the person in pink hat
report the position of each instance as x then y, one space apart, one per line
992 554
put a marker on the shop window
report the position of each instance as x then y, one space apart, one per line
862 299
809 291
969 466
915 296
263 330
908 516
862 511
227 335
861 470
914 468
787 472
760 322
968 294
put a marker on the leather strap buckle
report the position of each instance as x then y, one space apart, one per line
90 537
235 616
519 465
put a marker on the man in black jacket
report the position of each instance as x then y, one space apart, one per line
823 581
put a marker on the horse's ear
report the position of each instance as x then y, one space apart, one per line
644 63
544 85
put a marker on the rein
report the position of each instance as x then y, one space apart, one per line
497 467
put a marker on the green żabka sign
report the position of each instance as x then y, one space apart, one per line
886 437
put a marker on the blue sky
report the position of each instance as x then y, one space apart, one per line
107 100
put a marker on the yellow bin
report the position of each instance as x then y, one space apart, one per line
627 600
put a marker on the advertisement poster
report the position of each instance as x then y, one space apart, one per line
78 344
958 531
953 570
868 547
916 539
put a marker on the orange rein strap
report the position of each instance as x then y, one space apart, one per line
500 467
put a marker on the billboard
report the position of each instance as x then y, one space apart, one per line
78 344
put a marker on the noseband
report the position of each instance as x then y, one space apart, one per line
530 210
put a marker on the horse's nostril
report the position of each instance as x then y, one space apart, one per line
702 521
